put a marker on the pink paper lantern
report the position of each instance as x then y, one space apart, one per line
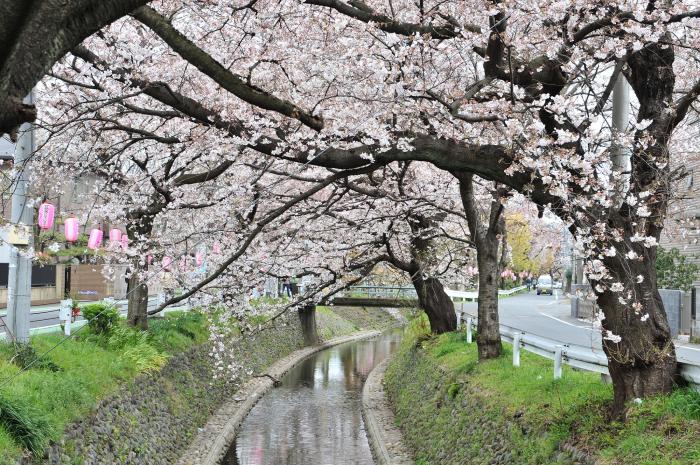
115 235
46 214
199 258
95 239
167 263
125 241
149 258
71 229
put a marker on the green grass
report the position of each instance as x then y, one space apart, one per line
330 325
91 366
437 384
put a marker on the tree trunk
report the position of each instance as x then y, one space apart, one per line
307 318
137 313
139 226
436 304
641 354
488 337
486 238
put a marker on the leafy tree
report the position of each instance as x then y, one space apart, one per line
674 270
520 241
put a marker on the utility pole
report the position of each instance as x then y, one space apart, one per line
19 283
620 119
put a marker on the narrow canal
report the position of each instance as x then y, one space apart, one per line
313 417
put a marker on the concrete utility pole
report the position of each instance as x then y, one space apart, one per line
620 119
19 283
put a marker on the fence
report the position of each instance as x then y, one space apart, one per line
402 292
579 357
43 321
677 305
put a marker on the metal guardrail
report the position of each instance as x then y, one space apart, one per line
579 357
50 315
511 291
396 292
385 292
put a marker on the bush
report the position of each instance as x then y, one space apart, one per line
178 331
24 425
144 357
102 318
25 356
686 403
674 270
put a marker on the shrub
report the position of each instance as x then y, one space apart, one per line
24 425
686 403
102 318
674 270
121 336
177 331
144 357
25 356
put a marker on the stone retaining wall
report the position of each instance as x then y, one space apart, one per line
154 419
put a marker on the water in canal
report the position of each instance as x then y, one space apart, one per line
313 417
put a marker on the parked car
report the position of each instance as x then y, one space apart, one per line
545 285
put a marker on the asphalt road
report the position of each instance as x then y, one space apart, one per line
47 315
543 315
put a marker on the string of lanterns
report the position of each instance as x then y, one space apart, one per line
71 229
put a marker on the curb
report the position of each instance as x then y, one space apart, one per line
385 438
212 441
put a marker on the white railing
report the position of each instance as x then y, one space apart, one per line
580 357
474 295
511 291
392 292
409 292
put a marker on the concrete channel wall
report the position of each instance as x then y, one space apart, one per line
214 439
152 420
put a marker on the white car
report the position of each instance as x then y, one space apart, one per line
545 285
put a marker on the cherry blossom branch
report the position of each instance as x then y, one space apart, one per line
361 12
260 225
228 80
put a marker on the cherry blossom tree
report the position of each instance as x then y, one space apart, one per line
488 229
514 92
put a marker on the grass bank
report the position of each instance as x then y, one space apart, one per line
454 410
37 404
341 321
87 400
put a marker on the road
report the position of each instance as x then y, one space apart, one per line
43 316
543 315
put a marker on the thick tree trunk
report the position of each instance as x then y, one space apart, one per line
486 238
488 337
307 318
641 354
137 314
436 304
35 35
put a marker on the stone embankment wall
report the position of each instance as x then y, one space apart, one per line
154 419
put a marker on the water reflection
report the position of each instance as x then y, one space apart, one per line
314 417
